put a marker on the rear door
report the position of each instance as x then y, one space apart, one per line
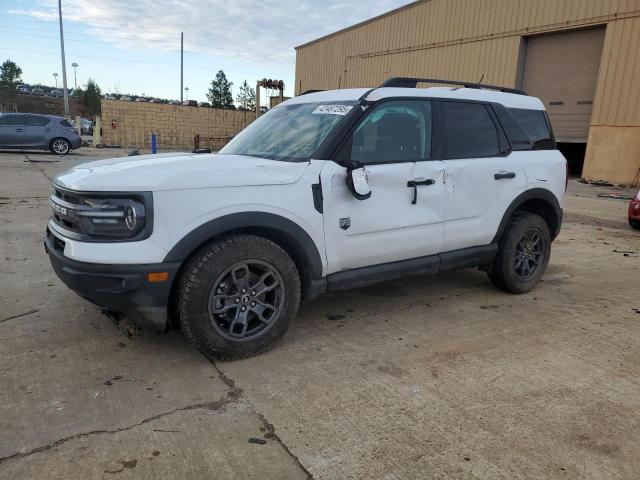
12 130
482 176
39 131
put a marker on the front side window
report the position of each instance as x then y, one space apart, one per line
34 121
466 131
12 120
289 132
395 131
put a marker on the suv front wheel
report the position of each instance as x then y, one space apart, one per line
237 296
523 254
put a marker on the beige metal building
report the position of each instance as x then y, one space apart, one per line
581 57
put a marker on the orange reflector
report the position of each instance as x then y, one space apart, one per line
158 277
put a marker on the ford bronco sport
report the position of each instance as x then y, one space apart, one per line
329 190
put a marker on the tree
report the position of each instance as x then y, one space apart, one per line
90 97
10 74
220 92
247 97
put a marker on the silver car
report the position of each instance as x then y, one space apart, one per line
28 131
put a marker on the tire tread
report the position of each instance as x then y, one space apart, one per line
190 280
497 274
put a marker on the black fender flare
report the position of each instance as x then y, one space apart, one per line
534 194
293 234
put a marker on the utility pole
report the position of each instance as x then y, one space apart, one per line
181 64
75 78
64 68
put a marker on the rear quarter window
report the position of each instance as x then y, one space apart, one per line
66 123
536 125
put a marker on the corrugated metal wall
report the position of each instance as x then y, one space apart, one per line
468 39
618 92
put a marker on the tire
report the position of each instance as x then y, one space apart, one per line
60 146
523 254
217 315
634 223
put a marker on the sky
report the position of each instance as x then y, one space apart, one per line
133 46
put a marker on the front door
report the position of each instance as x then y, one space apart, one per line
397 221
13 130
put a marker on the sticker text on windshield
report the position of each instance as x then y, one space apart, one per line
333 109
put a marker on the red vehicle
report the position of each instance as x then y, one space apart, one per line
634 211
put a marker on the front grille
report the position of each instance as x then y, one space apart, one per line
68 222
67 196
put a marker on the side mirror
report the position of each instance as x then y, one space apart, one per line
358 182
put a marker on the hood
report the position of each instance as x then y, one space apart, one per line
179 171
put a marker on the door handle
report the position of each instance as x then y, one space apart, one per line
504 175
415 183
19 129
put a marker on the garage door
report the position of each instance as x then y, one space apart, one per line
562 69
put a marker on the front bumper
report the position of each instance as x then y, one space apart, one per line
122 289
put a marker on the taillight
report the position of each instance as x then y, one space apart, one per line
566 177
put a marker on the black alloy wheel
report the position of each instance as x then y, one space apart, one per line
245 299
528 254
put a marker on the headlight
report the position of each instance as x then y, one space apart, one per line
112 217
92 216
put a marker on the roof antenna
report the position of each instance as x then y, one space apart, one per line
481 78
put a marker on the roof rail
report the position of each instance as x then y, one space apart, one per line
306 92
410 82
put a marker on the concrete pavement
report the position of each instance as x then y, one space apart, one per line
428 377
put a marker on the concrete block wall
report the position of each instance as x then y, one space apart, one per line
174 125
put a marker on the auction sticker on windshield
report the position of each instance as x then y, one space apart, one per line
333 109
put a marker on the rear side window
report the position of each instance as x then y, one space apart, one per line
12 120
66 123
535 123
466 130
33 121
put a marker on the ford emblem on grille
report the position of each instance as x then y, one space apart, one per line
130 218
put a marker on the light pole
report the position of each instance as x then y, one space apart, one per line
75 78
186 90
55 76
64 67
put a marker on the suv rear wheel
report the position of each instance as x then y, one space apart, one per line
237 296
523 254
60 146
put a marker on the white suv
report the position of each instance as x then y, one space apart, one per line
327 191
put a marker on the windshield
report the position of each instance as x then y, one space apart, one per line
289 132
